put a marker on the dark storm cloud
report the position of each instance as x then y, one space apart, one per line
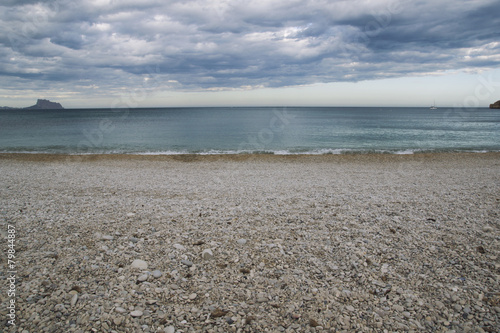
202 44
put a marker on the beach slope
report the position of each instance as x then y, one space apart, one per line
253 243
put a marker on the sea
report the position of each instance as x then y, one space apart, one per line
250 130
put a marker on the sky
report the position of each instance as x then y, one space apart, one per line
129 53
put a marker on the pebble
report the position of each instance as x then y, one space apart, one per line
157 274
241 241
180 247
439 304
350 308
218 313
188 263
313 323
74 299
169 329
398 308
136 313
207 254
487 228
140 264
107 237
143 277
120 309
192 296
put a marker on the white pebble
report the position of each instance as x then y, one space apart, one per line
169 329
207 254
140 264
74 299
136 313
179 247
143 277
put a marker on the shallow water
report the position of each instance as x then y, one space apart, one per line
287 130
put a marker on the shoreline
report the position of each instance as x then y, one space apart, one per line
33 157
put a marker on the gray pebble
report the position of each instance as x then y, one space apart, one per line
188 263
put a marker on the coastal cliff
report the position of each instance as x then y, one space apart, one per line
45 104
495 105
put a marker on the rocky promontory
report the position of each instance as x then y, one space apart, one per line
495 105
45 104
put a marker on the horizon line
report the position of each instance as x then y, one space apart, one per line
242 106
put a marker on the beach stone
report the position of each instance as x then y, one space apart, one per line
143 277
157 274
192 296
480 249
439 304
350 308
188 263
207 254
60 307
241 241
107 237
262 297
136 313
487 228
130 214
398 308
169 329
119 309
179 247
74 299
140 264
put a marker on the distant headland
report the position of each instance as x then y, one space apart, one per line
45 104
41 104
495 105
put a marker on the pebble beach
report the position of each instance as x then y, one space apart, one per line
252 243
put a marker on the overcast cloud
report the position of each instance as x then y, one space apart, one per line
75 47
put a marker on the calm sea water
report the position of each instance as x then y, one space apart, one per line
290 130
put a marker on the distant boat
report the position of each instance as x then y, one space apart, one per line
433 107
